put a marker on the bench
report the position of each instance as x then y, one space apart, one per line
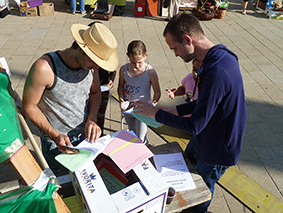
247 191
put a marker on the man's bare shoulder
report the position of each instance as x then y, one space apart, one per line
43 64
42 71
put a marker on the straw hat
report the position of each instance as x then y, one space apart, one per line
98 43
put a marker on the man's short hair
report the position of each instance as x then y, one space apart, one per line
182 24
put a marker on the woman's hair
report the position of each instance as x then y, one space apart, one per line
183 24
136 47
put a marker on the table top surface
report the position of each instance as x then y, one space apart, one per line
188 198
184 199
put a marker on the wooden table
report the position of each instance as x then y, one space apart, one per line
189 198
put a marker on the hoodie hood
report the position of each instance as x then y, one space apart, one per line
214 55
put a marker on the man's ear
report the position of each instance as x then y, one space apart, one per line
188 39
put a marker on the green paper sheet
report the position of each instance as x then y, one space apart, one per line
147 120
74 161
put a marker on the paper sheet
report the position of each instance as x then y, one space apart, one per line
174 170
104 88
124 148
87 151
4 64
127 151
111 182
147 120
74 161
128 111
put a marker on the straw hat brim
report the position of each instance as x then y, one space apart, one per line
110 65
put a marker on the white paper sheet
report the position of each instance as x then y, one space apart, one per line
104 88
174 170
4 64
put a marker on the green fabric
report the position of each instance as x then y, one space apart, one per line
28 200
11 138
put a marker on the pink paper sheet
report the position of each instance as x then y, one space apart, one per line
127 151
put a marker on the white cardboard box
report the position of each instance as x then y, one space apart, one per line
147 193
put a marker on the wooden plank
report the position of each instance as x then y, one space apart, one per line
25 165
189 198
249 192
170 134
59 204
29 170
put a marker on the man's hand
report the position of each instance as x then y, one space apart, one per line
62 141
92 131
145 109
172 110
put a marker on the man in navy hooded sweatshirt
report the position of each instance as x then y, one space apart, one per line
218 116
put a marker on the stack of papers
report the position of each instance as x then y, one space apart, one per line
174 171
125 149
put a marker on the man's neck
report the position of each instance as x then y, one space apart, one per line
69 57
202 47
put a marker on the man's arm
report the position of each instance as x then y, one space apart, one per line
39 78
92 130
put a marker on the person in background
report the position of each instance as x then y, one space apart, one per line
245 5
173 8
106 78
218 116
189 85
73 4
62 90
135 81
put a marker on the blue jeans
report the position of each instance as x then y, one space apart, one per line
209 173
73 4
50 151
